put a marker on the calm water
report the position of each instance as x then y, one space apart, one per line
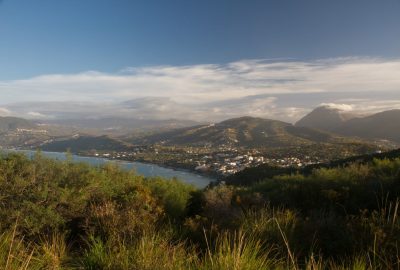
148 170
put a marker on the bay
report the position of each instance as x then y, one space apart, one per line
145 169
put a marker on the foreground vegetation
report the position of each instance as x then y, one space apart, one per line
65 215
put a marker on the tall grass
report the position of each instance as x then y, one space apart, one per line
151 251
53 252
15 255
237 251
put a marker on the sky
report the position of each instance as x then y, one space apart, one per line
201 60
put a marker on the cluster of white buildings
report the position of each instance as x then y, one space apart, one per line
31 131
231 165
224 165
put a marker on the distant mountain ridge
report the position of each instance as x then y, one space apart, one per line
118 125
380 126
86 143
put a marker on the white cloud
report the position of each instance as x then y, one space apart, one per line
37 115
274 89
4 112
341 107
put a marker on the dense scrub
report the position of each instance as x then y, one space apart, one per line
65 215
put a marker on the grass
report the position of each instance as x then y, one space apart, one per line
238 250
15 255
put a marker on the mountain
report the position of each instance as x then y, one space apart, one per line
384 125
14 123
380 126
244 132
324 118
86 143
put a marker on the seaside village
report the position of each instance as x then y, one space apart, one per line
231 165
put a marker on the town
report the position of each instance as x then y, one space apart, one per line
226 160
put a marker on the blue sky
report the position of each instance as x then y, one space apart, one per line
47 36
108 50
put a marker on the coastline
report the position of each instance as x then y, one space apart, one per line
216 177
213 177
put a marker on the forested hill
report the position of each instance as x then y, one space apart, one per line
244 132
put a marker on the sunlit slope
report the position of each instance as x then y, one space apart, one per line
245 132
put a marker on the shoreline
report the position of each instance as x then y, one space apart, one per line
212 177
180 169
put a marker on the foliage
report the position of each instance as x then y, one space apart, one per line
173 194
65 215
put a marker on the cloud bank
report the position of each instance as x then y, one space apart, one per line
273 89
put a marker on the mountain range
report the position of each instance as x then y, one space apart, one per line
323 125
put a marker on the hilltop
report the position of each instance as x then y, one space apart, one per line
324 118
